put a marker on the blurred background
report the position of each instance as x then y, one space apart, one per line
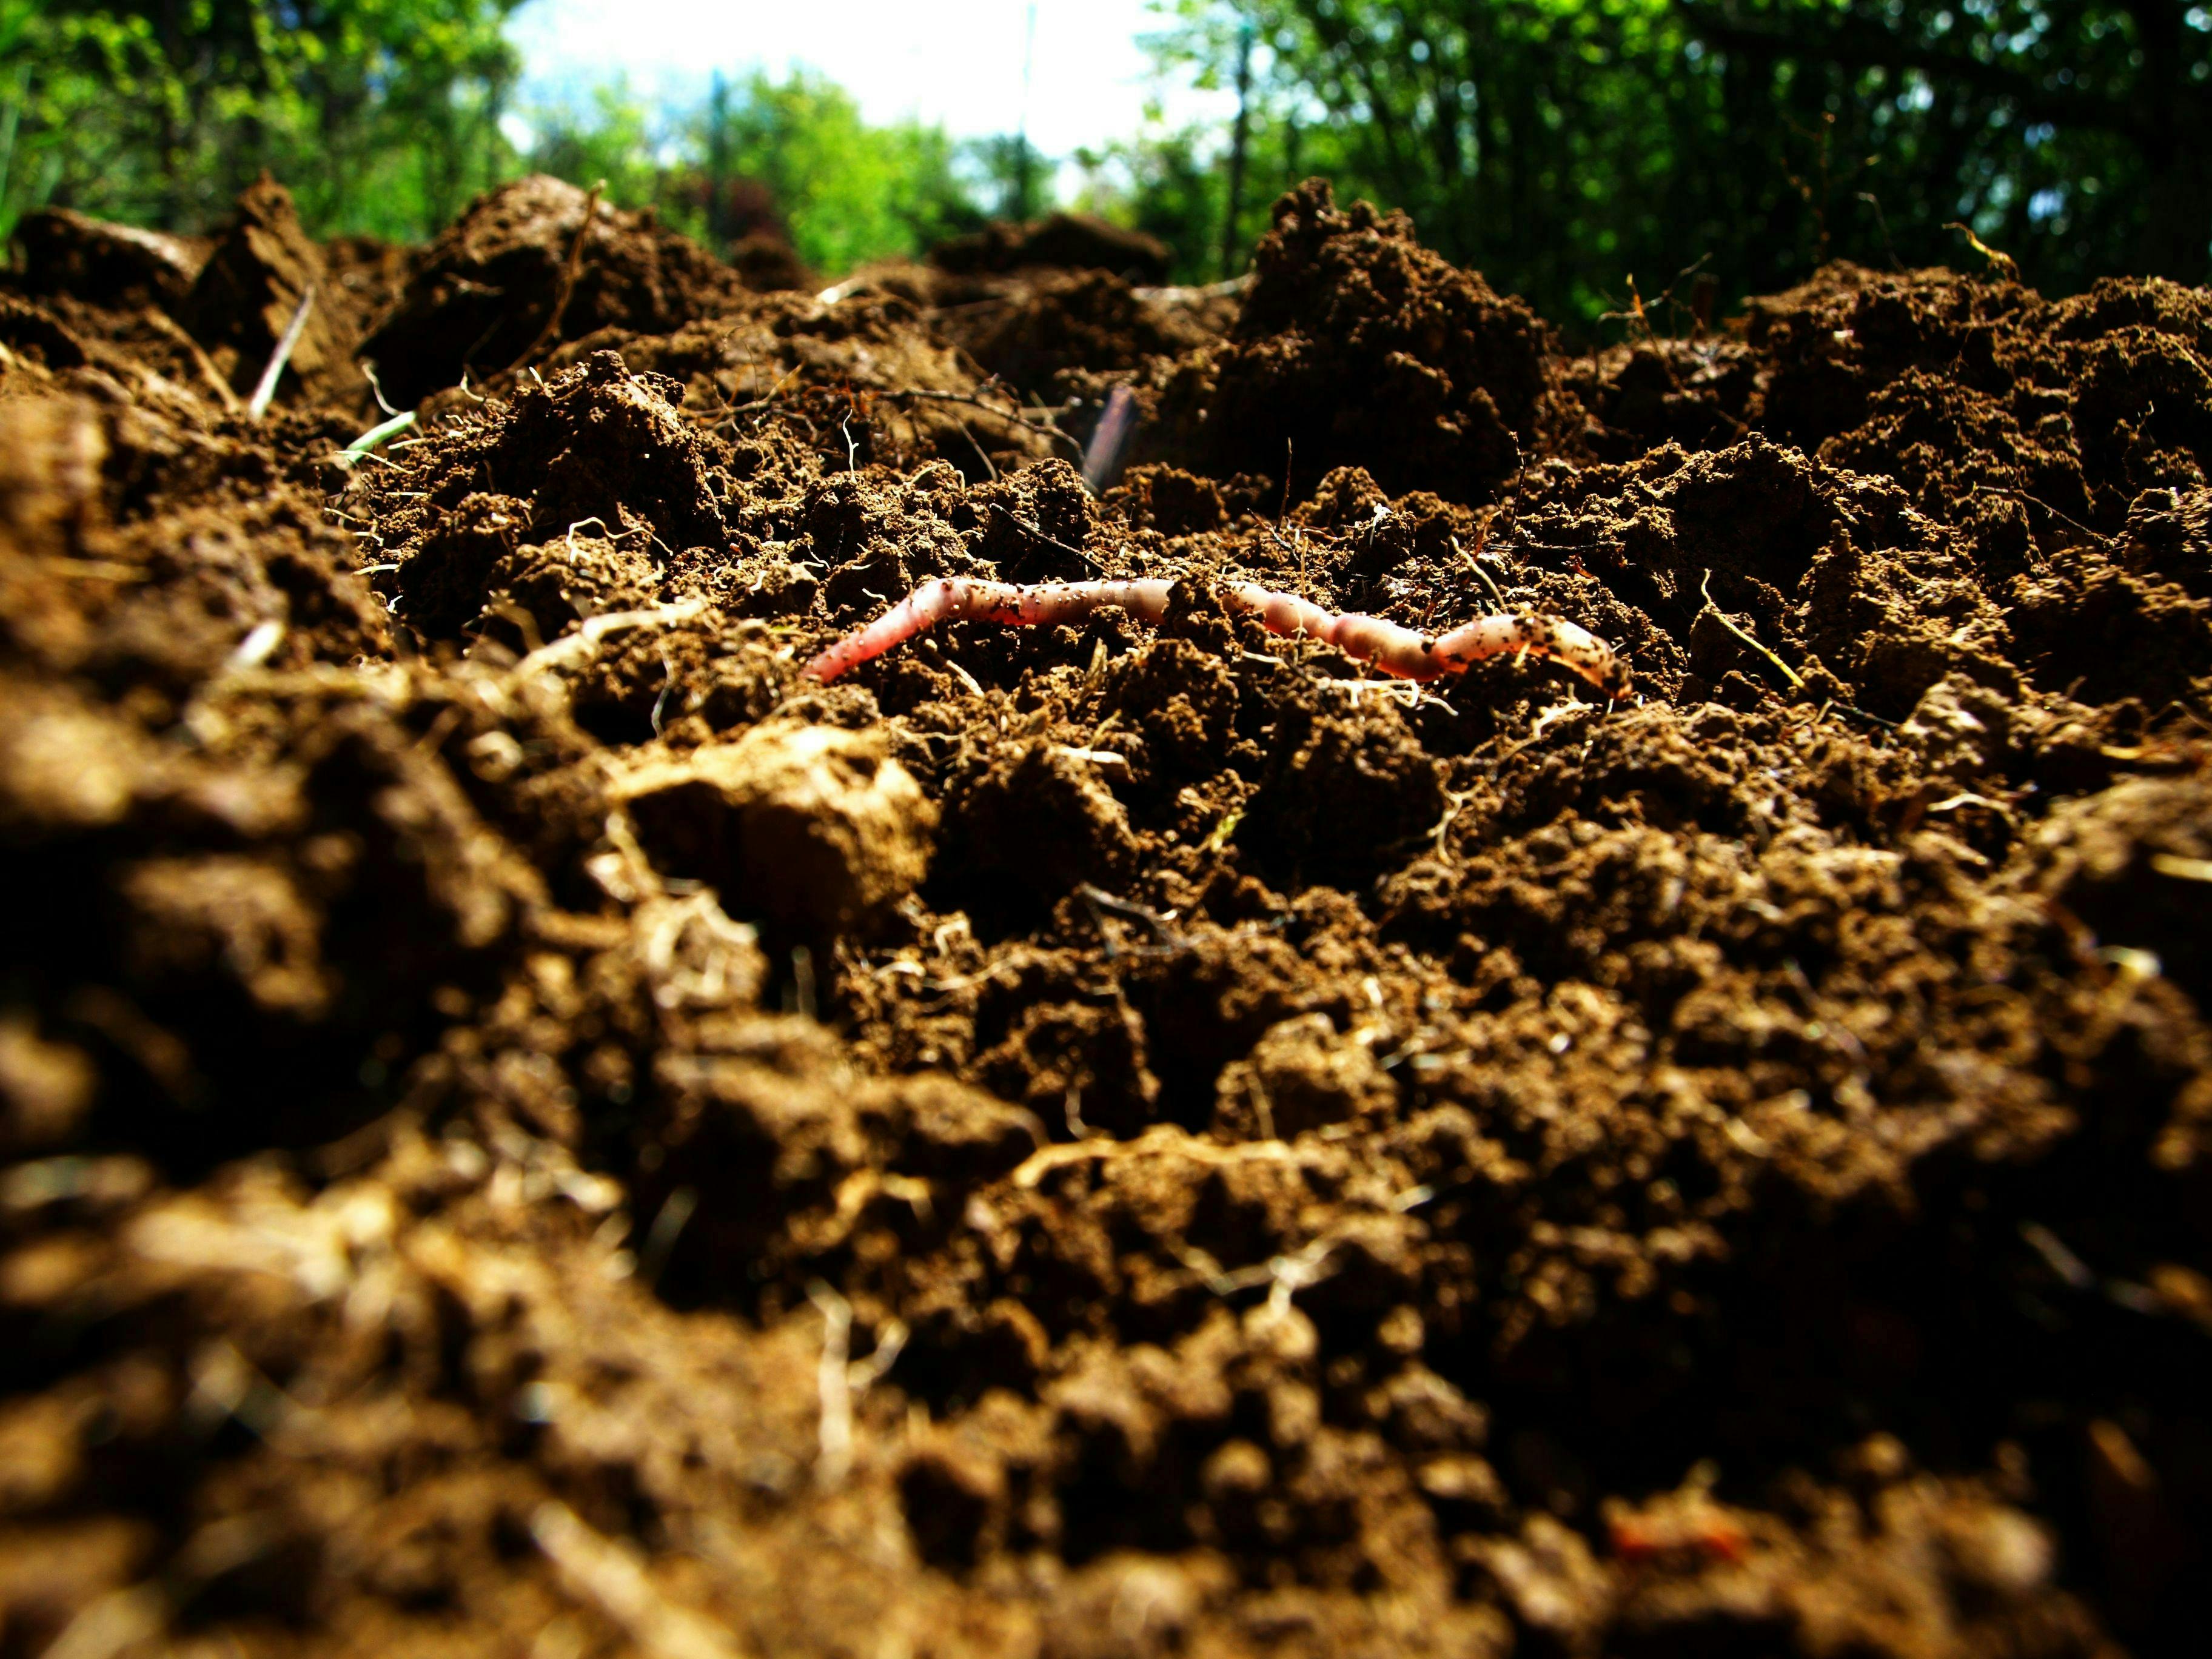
1580 155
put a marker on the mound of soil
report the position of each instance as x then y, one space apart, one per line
261 268
1357 346
1062 242
530 265
528 1125
58 252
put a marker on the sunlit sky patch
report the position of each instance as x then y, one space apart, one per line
959 64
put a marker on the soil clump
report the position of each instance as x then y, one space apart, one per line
530 265
1061 241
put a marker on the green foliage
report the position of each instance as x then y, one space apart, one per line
1168 184
796 151
1014 174
381 115
1561 145
608 138
1565 146
847 192
384 117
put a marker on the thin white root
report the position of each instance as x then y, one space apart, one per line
834 1379
581 644
611 1578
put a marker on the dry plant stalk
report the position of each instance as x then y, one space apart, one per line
1398 651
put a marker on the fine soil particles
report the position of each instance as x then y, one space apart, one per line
529 1126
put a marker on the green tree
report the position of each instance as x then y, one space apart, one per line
2080 135
849 192
1564 146
1013 172
382 115
1168 183
609 136
844 191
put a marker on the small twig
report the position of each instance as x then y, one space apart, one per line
731 411
1297 553
1013 415
610 1577
1292 1273
376 386
1027 528
265 389
667 685
1881 220
2181 868
1455 801
1520 477
1474 563
1098 900
1860 715
2099 537
259 645
989 466
975 687
675 1211
570 536
1092 756
2002 263
802 989
1796 679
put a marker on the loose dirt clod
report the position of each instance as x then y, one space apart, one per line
809 825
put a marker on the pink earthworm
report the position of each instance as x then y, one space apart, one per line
1401 651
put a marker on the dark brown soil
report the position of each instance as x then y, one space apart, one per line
1059 241
528 1127
524 269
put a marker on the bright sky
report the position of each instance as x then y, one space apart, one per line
958 64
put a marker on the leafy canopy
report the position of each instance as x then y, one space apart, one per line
1565 146
1561 145
381 115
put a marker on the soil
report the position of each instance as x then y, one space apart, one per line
1063 241
526 1126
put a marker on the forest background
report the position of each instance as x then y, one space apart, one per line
1578 153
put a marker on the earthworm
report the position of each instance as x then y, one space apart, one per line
1398 651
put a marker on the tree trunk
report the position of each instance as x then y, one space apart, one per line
1232 240
2176 120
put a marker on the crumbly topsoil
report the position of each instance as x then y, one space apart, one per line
528 1127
